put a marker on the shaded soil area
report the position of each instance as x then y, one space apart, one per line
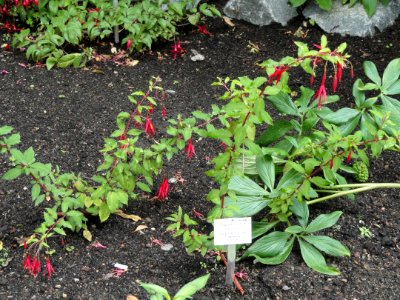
65 114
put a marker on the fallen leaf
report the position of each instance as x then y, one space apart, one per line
1 245
228 21
98 245
131 297
131 63
120 213
98 71
140 228
87 235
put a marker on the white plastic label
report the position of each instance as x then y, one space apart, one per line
232 231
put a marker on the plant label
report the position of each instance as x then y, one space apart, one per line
232 231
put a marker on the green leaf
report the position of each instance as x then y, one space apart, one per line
314 259
12 174
372 72
243 185
51 62
394 89
244 206
154 289
323 221
5 130
297 3
289 178
115 199
35 191
144 187
348 128
343 115
391 73
268 246
191 288
266 170
274 132
259 228
284 104
279 258
104 212
300 209
178 7
370 6
325 5
328 245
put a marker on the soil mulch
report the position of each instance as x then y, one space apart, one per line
65 114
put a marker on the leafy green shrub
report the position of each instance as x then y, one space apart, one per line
369 5
54 26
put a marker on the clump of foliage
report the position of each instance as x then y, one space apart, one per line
369 5
52 29
301 158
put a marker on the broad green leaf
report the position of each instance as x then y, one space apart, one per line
274 132
35 191
189 289
154 289
370 6
144 187
259 228
268 246
327 244
391 74
104 212
300 209
372 72
266 170
243 185
394 89
294 229
5 130
343 115
115 199
348 127
325 5
12 174
244 206
290 178
297 3
279 258
314 259
323 221
283 104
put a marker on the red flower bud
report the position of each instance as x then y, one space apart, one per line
163 190
149 127
128 44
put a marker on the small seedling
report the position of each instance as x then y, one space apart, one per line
365 232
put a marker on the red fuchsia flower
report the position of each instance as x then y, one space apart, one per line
348 159
189 149
177 49
35 266
149 127
128 44
339 68
321 93
49 268
163 112
334 82
151 108
122 137
331 164
277 74
25 245
27 263
163 190
202 29
36 2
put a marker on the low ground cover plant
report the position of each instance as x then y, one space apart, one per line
57 31
273 170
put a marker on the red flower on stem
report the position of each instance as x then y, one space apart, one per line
202 29
334 82
149 127
177 49
163 190
331 164
49 268
128 44
348 159
277 74
35 266
189 149
339 67
321 93
163 112
27 263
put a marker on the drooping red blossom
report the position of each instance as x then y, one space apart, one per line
339 67
189 149
149 127
320 95
277 74
163 112
177 49
35 266
348 159
334 82
163 190
151 108
25 245
49 268
128 44
351 72
331 164
27 263
202 29
62 242
122 137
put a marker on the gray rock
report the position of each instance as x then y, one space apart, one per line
353 21
260 12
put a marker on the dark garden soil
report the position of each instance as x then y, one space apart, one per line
65 114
